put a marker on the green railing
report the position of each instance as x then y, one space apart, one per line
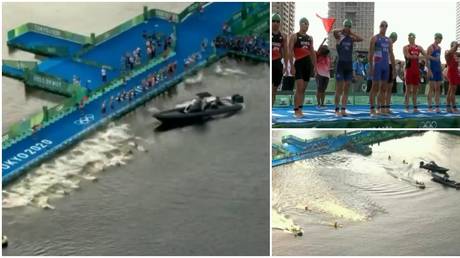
45 30
48 82
57 33
147 14
165 15
253 15
21 65
190 9
18 31
119 29
248 56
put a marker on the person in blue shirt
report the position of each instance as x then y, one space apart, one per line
359 73
368 77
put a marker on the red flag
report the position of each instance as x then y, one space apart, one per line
327 22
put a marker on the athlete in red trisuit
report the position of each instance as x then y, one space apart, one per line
453 76
412 54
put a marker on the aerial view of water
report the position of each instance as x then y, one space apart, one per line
377 209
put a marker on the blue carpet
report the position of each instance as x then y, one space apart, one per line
313 115
33 39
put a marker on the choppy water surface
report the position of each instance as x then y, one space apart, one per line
377 207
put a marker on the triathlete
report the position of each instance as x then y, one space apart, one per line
387 89
434 72
279 51
412 53
380 55
453 76
301 47
345 39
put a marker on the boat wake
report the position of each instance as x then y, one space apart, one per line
306 194
63 174
224 71
195 79
282 222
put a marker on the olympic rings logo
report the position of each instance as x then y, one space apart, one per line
86 119
429 124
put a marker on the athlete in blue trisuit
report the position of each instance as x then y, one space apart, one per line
380 52
434 72
344 72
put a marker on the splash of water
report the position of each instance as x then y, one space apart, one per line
298 188
224 71
282 222
58 177
195 79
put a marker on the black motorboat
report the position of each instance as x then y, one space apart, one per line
204 107
442 179
432 166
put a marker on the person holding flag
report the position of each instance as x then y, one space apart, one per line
302 50
279 51
344 73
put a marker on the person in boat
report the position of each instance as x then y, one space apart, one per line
215 103
195 106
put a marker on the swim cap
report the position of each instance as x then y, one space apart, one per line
411 35
304 20
438 35
347 23
276 17
394 36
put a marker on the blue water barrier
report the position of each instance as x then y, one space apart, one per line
299 149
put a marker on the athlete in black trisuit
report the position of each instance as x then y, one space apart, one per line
279 52
301 48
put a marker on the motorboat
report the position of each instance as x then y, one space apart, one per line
432 166
442 179
205 106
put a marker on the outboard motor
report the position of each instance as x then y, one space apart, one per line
237 98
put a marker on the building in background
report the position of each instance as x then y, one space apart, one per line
458 22
287 12
362 16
